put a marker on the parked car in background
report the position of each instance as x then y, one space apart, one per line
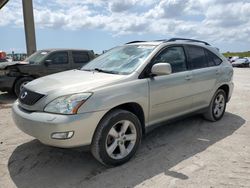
241 62
18 56
232 59
248 58
113 100
14 75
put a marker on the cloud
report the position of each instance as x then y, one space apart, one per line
213 20
120 6
168 9
9 15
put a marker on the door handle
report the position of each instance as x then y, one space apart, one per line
217 72
188 77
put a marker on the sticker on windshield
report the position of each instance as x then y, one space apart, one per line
44 53
146 47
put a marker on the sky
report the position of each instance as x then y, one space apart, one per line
102 24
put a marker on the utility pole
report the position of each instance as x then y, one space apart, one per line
29 26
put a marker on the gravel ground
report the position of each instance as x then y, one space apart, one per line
188 153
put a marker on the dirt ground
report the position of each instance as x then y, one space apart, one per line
188 153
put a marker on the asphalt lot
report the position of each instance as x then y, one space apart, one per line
188 153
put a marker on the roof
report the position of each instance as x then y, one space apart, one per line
60 49
172 40
153 43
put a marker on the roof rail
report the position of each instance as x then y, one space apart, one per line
189 40
135 41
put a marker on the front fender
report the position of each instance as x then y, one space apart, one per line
135 91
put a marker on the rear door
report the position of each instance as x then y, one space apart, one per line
170 95
206 70
79 58
58 62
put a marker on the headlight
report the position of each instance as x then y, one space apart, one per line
68 104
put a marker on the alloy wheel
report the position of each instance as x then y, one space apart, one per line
121 139
219 105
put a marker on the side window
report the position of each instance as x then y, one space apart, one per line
175 56
80 57
213 60
197 57
59 58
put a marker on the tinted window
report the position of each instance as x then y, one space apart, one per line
197 57
59 58
213 59
174 56
80 57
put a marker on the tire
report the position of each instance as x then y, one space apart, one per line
217 106
108 143
20 83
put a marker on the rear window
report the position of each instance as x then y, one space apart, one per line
197 57
80 57
213 60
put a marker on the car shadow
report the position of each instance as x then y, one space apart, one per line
6 100
35 165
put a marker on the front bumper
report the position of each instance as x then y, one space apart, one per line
6 83
41 125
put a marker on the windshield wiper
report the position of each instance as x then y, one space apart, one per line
101 70
105 71
84 69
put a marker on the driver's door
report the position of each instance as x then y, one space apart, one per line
170 95
57 62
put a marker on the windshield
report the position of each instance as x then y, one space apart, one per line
120 60
36 57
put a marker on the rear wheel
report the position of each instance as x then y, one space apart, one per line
217 106
20 84
117 138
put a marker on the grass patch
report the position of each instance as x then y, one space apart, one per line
240 54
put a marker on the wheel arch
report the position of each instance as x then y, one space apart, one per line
136 109
23 76
225 88
18 78
132 107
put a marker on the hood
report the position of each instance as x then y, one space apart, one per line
72 81
3 65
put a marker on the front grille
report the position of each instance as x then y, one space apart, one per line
29 97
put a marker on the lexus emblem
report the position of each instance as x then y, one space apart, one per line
24 95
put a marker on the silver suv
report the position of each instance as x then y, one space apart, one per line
111 102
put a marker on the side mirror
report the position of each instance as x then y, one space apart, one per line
159 69
47 62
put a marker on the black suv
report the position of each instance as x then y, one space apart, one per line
14 75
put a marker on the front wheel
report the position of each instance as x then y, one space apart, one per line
117 138
20 84
217 106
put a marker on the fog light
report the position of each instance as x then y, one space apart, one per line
62 135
